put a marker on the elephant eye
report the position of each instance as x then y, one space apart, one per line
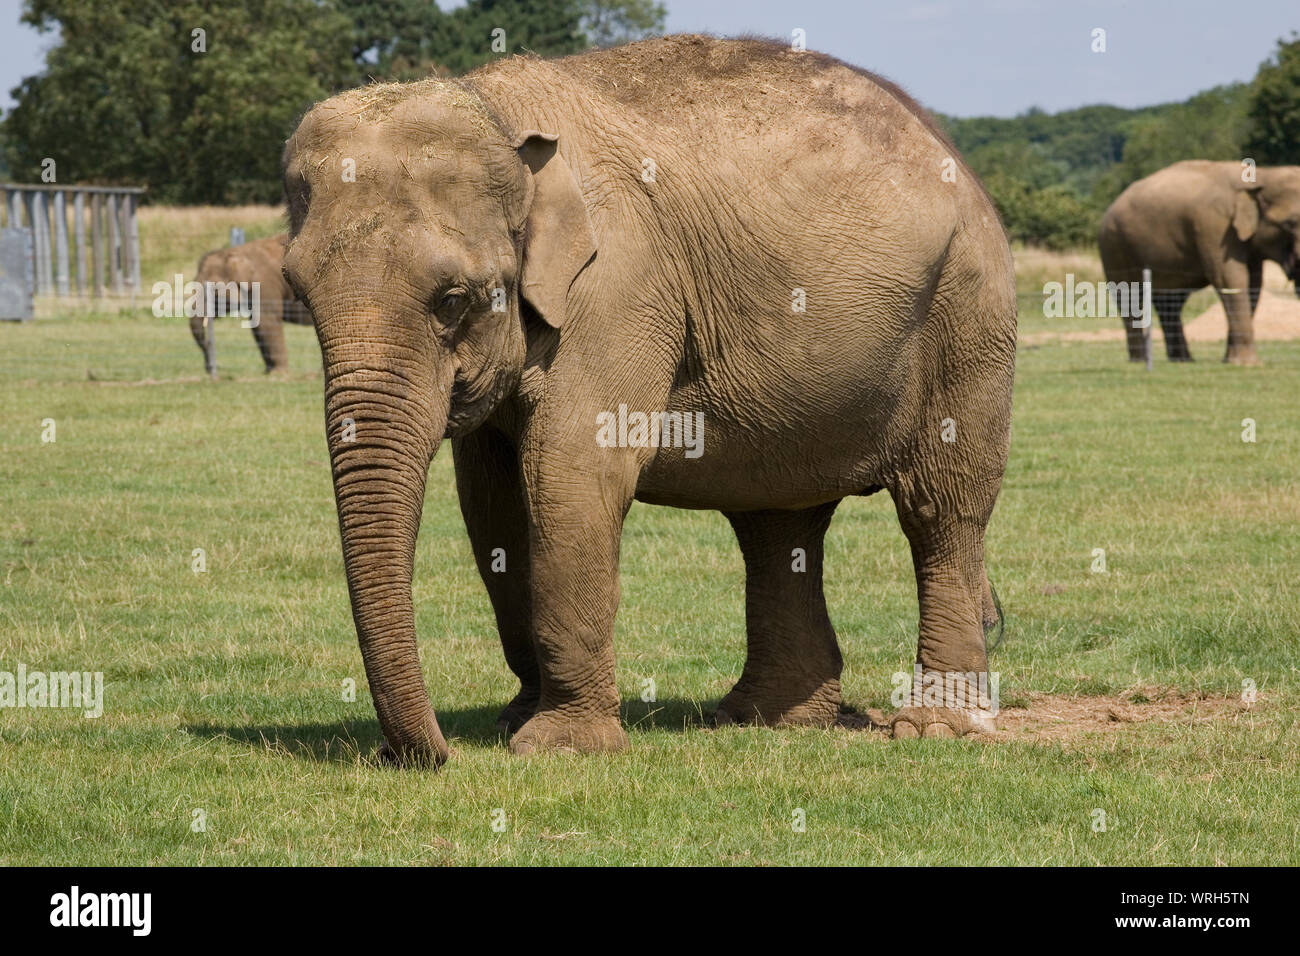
452 304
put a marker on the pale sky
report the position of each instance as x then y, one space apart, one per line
963 57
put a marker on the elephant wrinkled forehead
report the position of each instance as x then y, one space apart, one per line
402 145
395 166
409 121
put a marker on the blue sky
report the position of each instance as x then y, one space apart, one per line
964 57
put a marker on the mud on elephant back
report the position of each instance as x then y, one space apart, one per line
798 283
232 274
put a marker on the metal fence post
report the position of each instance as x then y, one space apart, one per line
79 236
41 243
1148 307
97 244
114 243
61 271
133 238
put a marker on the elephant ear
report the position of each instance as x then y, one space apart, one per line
558 238
1245 217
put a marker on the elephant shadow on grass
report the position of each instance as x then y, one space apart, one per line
342 742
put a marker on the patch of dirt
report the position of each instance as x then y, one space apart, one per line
1066 717
1277 319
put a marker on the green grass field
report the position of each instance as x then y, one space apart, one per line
224 697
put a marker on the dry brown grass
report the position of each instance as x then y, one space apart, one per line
1035 267
173 238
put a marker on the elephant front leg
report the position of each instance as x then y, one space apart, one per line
492 503
576 521
792 663
1238 304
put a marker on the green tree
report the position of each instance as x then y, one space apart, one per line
407 39
611 22
484 30
192 98
1053 216
1274 108
391 37
1210 125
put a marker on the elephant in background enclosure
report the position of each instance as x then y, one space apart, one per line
1198 223
258 261
762 243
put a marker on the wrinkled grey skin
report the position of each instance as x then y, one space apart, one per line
259 261
1199 223
728 228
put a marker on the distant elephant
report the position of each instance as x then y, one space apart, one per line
1198 223
694 272
258 261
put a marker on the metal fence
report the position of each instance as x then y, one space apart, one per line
104 239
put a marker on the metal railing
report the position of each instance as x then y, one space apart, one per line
105 236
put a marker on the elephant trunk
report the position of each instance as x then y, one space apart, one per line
1291 266
385 418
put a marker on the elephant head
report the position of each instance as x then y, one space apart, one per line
424 236
1267 217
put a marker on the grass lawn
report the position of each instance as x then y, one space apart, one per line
226 736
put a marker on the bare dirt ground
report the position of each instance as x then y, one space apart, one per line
1052 718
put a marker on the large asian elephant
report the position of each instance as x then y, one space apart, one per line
1199 223
260 261
775 260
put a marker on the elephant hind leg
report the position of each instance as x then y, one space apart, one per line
945 528
792 666
1169 306
269 333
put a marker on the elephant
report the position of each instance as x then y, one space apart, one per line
779 253
1199 223
259 261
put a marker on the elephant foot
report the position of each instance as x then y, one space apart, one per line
1242 356
818 708
1183 357
429 757
550 730
518 711
910 722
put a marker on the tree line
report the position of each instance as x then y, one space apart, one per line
194 99
1053 175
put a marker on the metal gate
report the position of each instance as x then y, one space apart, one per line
17 275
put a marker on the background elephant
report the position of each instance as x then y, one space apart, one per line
1199 223
723 228
258 261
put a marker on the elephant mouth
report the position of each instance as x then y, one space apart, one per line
474 399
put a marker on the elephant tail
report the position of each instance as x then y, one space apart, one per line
995 624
